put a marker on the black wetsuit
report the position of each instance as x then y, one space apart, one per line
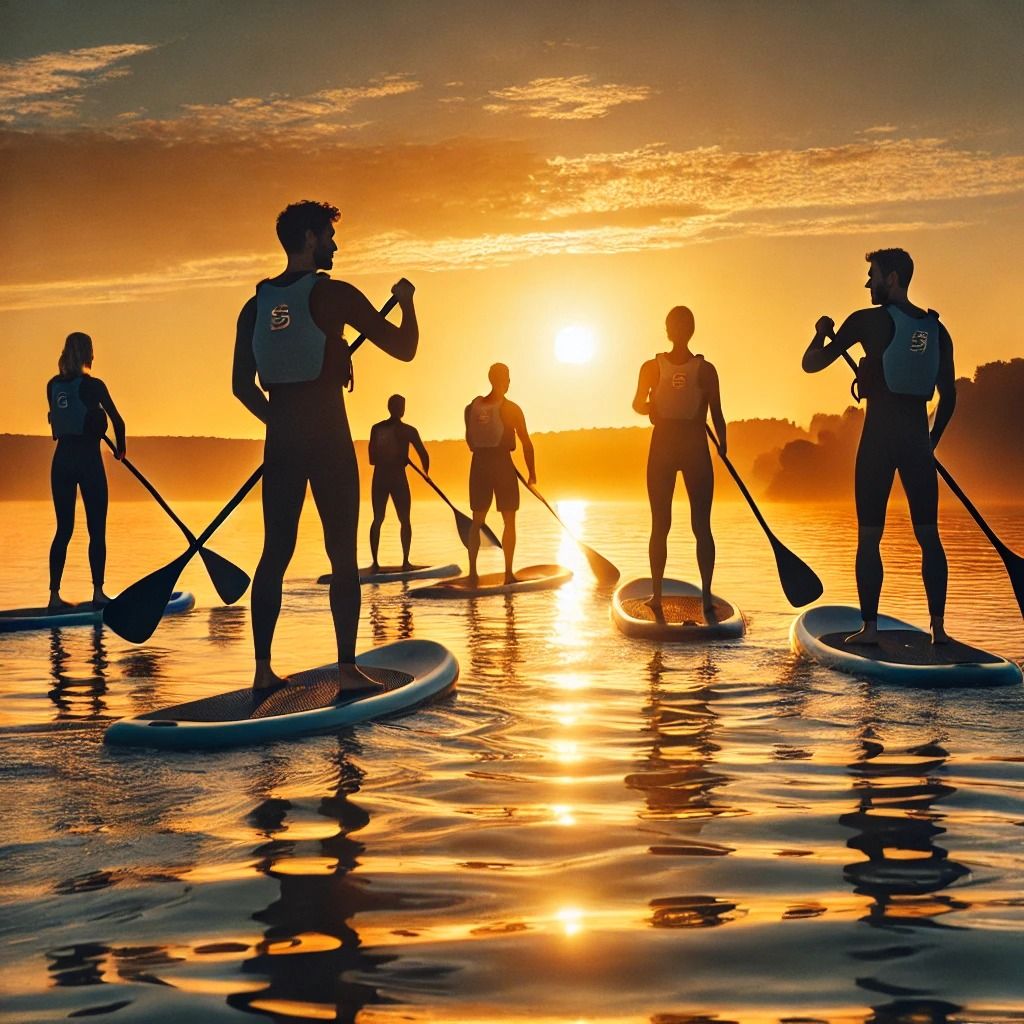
78 465
308 442
389 454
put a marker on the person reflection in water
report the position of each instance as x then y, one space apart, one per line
492 425
908 353
676 390
389 455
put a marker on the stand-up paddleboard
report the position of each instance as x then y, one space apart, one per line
904 655
682 613
396 574
85 614
533 577
411 672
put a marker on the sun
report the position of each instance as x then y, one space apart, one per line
574 344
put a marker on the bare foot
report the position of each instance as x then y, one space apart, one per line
57 603
407 566
654 603
510 577
708 607
472 578
939 634
99 598
351 680
867 634
265 679
374 568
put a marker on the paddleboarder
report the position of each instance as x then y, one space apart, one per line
79 405
290 334
389 455
676 390
908 353
492 424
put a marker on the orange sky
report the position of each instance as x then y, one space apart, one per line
526 167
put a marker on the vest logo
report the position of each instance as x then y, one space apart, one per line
280 317
678 380
62 400
918 341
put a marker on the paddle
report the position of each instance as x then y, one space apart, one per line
1013 562
462 521
799 581
603 570
229 581
135 613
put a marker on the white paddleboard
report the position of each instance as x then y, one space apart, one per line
396 574
85 614
533 577
412 672
682 616
904 655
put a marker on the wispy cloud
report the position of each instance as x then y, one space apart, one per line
576 98
322 114
51 85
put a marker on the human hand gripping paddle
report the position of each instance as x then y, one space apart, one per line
1013 562
135 613
604 571
462 521
799 581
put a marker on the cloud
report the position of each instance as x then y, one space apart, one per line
317 115
565 99
51 85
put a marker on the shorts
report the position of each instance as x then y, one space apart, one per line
492 474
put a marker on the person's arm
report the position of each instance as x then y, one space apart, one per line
120 440
644 386
519 424
371 448
421 450
466 418
946 384
49 409
715 406
819 355
399 341
243 368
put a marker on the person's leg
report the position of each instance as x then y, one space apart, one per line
508 542
402 500
284 491
917 473
481 493
699 478
64 488
506 498
93 482
873 477
661 483
379 503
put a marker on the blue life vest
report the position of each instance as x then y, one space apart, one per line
67 410
288 345
678 394
910 362
486 428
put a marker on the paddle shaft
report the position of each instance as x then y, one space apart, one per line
384 310
444 497
739 483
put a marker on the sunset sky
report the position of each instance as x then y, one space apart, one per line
529 166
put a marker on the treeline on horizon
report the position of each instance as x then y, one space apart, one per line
983 448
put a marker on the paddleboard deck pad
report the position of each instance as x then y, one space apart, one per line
682 613
904 654
85 614
533 577
408 673
396 574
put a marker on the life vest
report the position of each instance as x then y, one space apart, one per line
910 362
486 426
67 410
288 345
678 394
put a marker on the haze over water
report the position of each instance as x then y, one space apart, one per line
592 829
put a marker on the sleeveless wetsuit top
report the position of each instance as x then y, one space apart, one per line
288 345
678 394
390 444
486 426
910 362
67 410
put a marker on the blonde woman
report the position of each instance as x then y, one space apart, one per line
78 408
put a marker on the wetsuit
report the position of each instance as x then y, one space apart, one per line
78 410
389 454
491 435
679 442
308 442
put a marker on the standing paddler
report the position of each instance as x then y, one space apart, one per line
908 353
290 334
676 390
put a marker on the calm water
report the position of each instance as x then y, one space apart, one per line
592 830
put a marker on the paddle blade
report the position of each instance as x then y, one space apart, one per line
229 581
136 612
487 534
1015 569
463 524
799 581
604 572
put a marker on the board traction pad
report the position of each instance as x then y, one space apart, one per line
910 647
310 690
676 610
